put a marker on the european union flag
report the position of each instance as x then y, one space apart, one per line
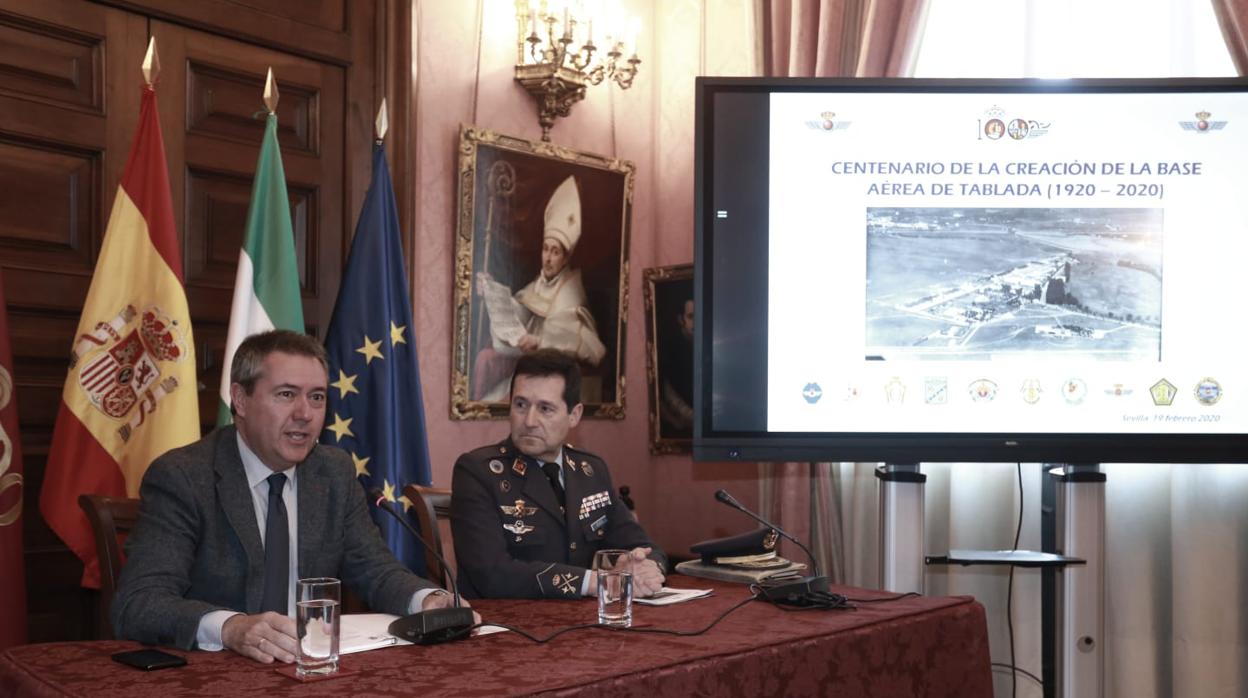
375 409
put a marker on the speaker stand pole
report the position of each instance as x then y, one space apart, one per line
1080 589
901 527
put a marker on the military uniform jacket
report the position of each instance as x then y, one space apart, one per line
511 538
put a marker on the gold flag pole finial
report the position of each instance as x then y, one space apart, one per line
383 122
151 63
271 95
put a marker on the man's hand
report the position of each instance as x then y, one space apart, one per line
444 600
264 637
647 578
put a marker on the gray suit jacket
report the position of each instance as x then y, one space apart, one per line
196 547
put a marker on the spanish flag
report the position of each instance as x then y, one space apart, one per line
131 390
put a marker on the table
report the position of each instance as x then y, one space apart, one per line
915 646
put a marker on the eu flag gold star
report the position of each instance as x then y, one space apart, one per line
361 469
341 427
345 384
396 334
387 491
407 503
371 350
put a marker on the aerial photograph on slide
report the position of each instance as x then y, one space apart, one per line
972 283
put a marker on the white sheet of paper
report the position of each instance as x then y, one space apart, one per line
504 321
669 595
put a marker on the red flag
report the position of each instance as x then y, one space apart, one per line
130 393
12 564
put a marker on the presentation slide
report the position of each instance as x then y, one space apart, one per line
973 262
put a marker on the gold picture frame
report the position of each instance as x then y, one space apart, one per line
507 189
668 297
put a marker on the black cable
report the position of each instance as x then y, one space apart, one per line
898 597
1009 587
1024 672
666 631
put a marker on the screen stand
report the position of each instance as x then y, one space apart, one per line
901 527
1079 590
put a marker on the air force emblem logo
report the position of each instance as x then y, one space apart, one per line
120 364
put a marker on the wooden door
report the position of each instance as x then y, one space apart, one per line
69 96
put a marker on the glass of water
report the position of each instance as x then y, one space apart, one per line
615 587
316 617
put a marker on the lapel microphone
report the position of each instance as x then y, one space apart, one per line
435 625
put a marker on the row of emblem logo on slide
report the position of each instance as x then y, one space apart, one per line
1207 391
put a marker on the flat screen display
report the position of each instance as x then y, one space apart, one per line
915 270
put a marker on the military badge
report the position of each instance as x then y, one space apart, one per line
1074 390
519 527
1119 390
1208 391
895 391
1163 393
519 509
982 390
504 486
518 467
1202 124
1031 391
496 466
587 469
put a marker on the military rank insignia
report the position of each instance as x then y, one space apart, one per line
565 583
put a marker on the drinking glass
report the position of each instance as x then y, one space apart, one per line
316 616
615 587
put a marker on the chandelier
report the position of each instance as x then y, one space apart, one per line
554 70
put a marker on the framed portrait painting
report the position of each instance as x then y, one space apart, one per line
541 262
669 357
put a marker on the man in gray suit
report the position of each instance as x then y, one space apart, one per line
227 524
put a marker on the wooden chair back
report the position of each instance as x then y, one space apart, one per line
432 505
110 518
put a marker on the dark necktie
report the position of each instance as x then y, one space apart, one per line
276 550
552 473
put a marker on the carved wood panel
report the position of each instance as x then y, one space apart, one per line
69 97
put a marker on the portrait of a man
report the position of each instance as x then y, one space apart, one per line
669 336
540 259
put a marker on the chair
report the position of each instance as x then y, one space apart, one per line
432 504
110 517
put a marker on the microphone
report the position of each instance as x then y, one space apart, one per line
435 625
807 591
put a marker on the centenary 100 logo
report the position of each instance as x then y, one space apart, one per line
997 125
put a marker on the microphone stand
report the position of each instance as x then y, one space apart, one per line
807 591
436 625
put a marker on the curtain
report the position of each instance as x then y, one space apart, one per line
1233 19
833 38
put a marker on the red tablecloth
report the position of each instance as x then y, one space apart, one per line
924 646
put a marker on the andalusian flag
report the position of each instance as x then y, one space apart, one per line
130 393
266 289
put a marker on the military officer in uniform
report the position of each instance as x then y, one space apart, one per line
527 514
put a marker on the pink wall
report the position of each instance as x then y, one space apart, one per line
465 57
